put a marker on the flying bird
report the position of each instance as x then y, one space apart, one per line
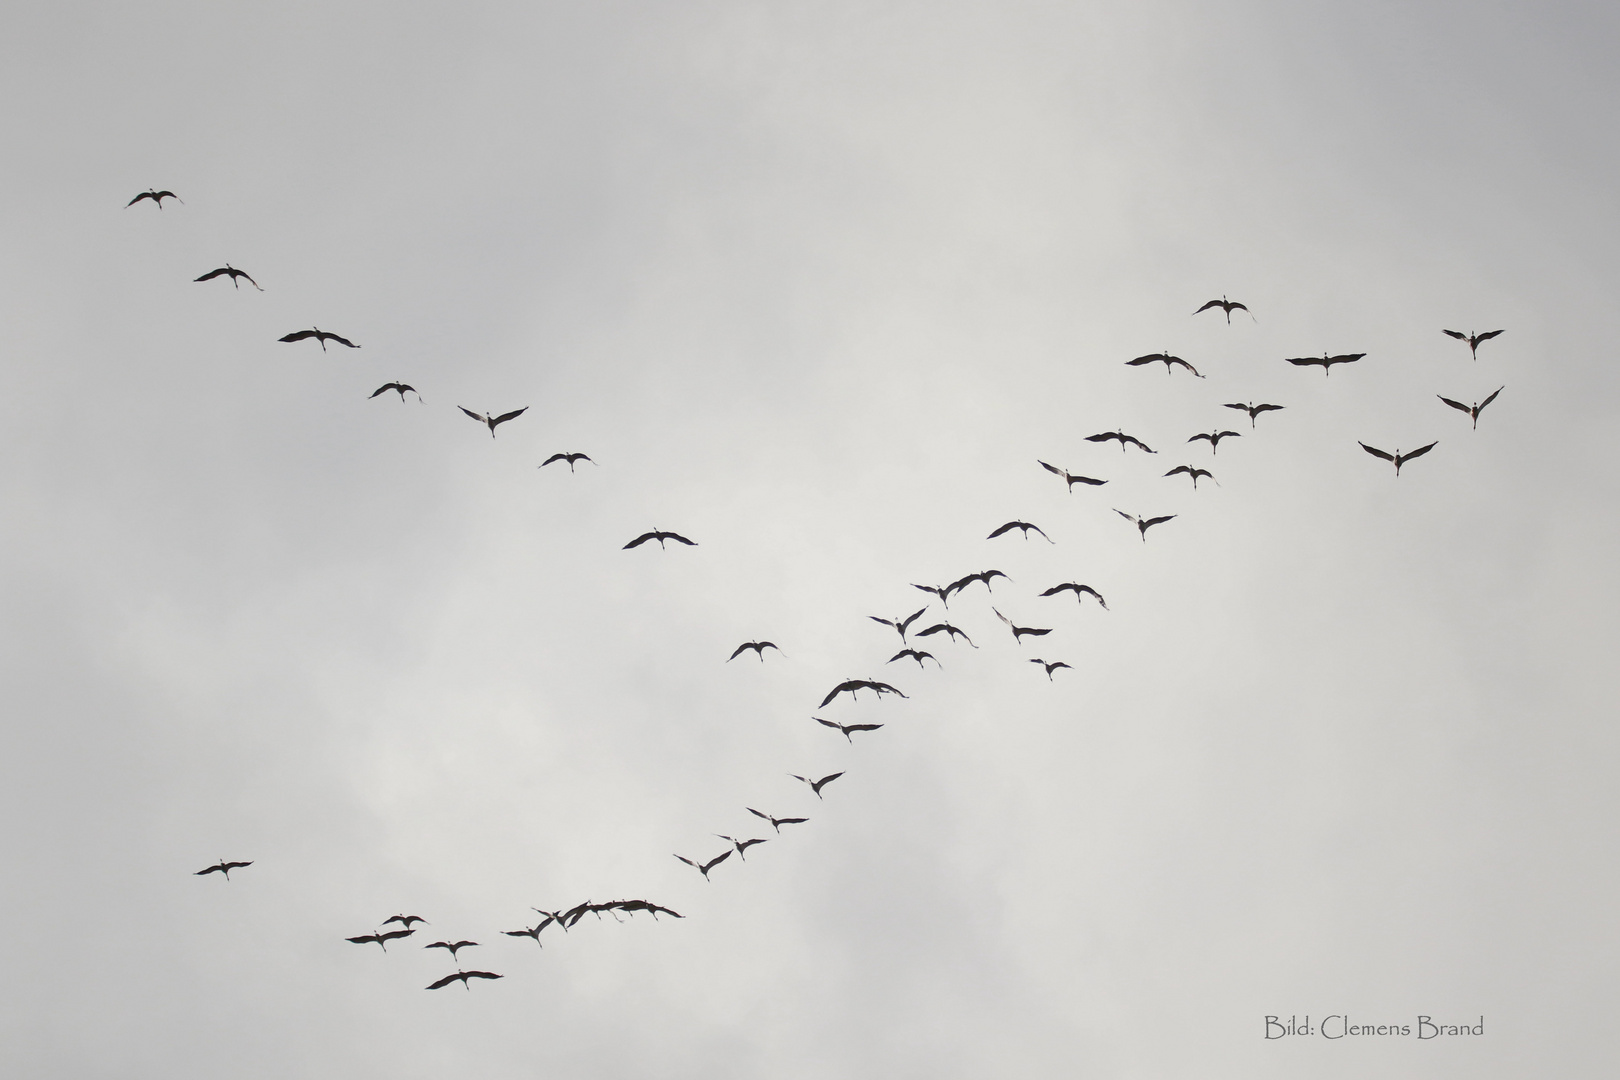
1122 439
1397 457
1227 306
853 686
1022 525
704 868
1054 665
847 729
570 458
452 947
659 536
1192 472
1078 590
817 785
530 931
462 977
233 272
1143 524
399 386
1018 632
1472 339
940 628
1214 439
494 421
1166 359
223 867
983 576
1252 409
319 335
1068 477
1326 361
913 654
1477 408
741 845
159 196
759 648
944 593
381 939
777 822
897 624
406 920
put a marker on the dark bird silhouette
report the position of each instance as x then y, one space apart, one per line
1252 409
321 336
704 868
1024 526
847 729
530 931
1397 457
659 536
223 867
944 593
159 196
742 846
1054 665
1123 439
233 272
1472 339
1192 472
406 920
398 386
1227 306
1143 524
570 458
1474 410
778 822
759 648
493 421
553 916
1018 632
853 686
982 576
1078 590
1214 439
1068 477
1166 359
817 785
380 938
633 906
941 628
452 947
462 977
1325 361
913 654
897 624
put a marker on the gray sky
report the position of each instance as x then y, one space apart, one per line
815 285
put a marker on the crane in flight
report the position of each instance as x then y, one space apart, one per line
1252 409
778 822
704 868
1024 526
742 846
223 867
940 628
1227 306
1192 472
1123 440
452 947
1068 477
462 977
492 420
1018 632
1054 665
1166 359
1214 439
913 654
817 785
234 273
982 576
406 920
1473 410
570 458
1397 457
1143 524
1078 590
380 938
847 730
159 196
899 625
853 686
319 335
530 931
759 648
1325 361
397 386
1472 339
659 536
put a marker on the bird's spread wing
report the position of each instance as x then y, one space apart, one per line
681 539
553 457
1492 398
1157 521
1183 363
392 934
1455 334
504 417
1210 304
1049 468
481 975
1010 525
1346 358
1180 469
1267 408
340 340
1487 336
1128 517
480 417
447 980
212 274
1138 443
384 389
1454 404
298 336
1140 360
689 862
642 539
1104 437
1375 452
913 617
1420 451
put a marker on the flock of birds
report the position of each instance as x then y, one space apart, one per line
905 627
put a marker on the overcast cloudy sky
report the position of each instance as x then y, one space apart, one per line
815 285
